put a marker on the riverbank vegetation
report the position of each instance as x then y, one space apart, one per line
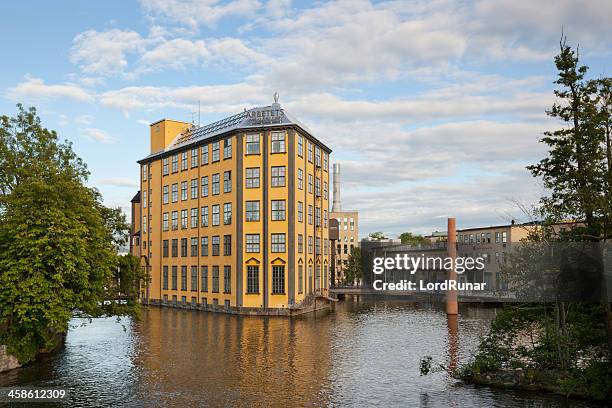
58 242
562 344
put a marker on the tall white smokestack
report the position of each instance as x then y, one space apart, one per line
337 204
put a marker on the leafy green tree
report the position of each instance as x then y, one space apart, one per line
58 243
412 239
353 270
574 170
378 235
130 276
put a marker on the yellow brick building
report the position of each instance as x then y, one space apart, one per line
234 214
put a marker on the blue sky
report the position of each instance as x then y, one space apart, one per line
433 108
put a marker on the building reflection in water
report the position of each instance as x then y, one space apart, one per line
218 359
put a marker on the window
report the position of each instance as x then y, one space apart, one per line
204 155
488 237
318 187
300 179
310 184
205 186
252 210
144 172
318 216
215 215
204 216
194 157
253 279
183 278
183 161
174 220
174 278
317 157
215 152
300 243
227 148
504 237
183 219
175 193
227 181
252 144
325 191
318 245
165 221
183 190
278 280
310 215
227 213
227 279
215 279
144 199
227 245
144 224
194 218
310 244
325 221
216 242
183 247
252 177
165 166
278 242
300 279
165 248
300 146
174 248
326 246
300 208
278 142
194 278
215 184
175 163
194 246
165 195
165 278
204 246
204 278
310 152
325 161
278 210
252 243
194 189
278 176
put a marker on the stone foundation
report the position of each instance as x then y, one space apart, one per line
245 311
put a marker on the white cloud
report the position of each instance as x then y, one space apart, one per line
36 89
197 12
177 54
105 52
99 135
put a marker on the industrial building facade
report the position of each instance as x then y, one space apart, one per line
234 214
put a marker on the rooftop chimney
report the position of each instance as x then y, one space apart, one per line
337 205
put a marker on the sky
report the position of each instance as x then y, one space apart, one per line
432 108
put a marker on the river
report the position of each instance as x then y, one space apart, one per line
364 353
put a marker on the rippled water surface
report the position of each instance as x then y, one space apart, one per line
363 354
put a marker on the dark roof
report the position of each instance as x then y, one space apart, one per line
256 118
136 198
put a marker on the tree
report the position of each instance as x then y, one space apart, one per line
574 170
412 239
130 276
377 235
353 270
58 243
